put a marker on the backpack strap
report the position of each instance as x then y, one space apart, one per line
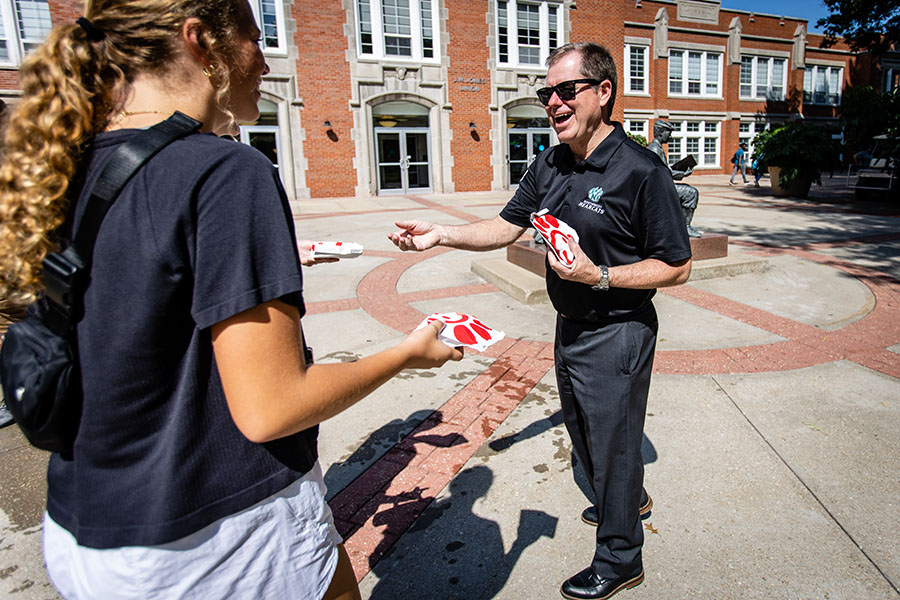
65 272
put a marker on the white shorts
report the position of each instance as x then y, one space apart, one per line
282 547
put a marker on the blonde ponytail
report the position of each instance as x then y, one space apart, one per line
42 148
71 86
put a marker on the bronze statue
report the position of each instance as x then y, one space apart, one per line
687 194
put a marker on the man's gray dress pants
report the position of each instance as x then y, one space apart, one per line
603 375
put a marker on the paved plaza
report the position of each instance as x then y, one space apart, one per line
771 448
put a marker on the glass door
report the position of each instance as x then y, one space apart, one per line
403 164
524 145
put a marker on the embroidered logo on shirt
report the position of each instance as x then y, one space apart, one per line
593 201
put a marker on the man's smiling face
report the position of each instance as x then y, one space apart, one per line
577 120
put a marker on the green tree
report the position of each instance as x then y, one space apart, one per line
872 25
800 149
865 113
637 138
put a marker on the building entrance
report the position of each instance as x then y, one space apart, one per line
402 142
524 145
402 160
528 134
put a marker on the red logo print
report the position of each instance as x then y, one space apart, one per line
557 234
464 330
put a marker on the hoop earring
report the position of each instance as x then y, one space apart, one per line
208 71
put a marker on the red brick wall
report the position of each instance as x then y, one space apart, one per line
9 79
470 95
603 22
323 81
761 26
65 11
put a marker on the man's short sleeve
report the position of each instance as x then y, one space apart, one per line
245 250
663 227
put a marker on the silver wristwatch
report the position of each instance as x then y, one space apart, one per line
603 284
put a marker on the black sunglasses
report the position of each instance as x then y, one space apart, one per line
565 90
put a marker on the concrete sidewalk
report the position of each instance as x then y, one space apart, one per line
770 445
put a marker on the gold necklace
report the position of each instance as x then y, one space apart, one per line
126 113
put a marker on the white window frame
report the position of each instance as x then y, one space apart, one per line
762 70
12 37
707 131
644 63
248 130
810 80
546 24
748 130
376 19
705 79
891 77
280 49
637 127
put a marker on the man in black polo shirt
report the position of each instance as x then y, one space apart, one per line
620 199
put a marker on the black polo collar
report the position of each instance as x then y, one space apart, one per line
603 153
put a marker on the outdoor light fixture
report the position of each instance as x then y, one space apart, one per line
471 124
327 124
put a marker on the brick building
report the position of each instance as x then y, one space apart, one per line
390 96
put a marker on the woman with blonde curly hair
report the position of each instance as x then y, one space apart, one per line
194 472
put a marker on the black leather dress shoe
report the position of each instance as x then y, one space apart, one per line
589 515
587 586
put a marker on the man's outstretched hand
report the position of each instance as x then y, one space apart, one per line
415 235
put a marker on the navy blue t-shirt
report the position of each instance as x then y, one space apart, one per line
622 202
202 232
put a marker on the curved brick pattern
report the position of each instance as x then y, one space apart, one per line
864 341
377 508
377 292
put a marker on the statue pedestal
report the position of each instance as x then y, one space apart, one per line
530 256
711 245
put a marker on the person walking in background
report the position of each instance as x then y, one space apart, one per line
621 200
194 473
739 160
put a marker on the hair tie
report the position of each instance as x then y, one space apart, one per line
93 34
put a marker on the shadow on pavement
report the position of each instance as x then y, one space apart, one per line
340 474
473 563
648 451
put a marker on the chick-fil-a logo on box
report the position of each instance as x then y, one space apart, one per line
464 330
557 234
